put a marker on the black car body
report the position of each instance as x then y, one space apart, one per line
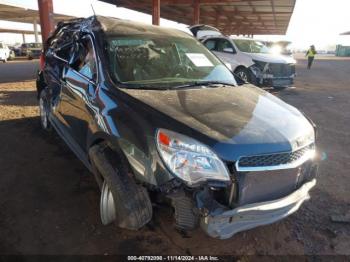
226 157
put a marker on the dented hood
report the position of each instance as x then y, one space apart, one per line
238 121
272 58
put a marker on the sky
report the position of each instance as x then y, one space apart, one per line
317 22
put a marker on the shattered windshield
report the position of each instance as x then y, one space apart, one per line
251 46
159 61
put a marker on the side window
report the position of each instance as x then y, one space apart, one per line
64 51
62 45
84 60
223 45
210 44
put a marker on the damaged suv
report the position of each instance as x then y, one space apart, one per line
157 117
248 58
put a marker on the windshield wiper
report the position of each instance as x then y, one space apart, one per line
205 83
143 87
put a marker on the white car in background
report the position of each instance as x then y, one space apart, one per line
4 52
248 58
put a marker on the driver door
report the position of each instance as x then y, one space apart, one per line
79 84
223 49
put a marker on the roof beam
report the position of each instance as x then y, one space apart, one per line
181 2
196 12
17 31
203 2
273 10
155 12
243 15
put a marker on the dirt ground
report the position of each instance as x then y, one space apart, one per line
49 203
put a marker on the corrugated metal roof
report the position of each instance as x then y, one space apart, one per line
229 16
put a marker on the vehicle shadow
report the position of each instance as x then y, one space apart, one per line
18 98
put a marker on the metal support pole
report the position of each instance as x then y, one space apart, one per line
23 38
155 12
196 12
36 35
46 18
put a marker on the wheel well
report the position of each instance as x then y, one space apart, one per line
240 67
97 141
113 150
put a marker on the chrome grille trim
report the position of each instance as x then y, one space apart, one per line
281 70
276 161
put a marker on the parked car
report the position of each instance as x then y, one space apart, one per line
31 50
4 52
17 49
250 59
33 53
12 54
157 117
34 50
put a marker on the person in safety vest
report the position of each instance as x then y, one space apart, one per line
310 54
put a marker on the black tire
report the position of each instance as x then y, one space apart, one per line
133 208
244 74
44 109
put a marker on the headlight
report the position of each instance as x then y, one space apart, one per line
260 64
304 140
258 67
188 159
256 70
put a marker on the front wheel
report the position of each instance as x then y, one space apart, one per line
243 74
122 200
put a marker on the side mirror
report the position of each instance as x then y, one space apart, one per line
228 50
53 53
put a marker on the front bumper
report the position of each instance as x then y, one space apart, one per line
275 75
271 81
34 54
227 223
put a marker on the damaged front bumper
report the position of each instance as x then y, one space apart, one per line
276 75
225 223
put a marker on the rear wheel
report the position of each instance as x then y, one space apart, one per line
44 111
122 200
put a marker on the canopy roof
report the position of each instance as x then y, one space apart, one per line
229 16
19 14
17 31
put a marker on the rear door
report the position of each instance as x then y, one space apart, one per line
79 84
224 49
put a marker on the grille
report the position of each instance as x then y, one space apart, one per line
273 159
282 70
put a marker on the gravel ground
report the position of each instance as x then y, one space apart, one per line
49 201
